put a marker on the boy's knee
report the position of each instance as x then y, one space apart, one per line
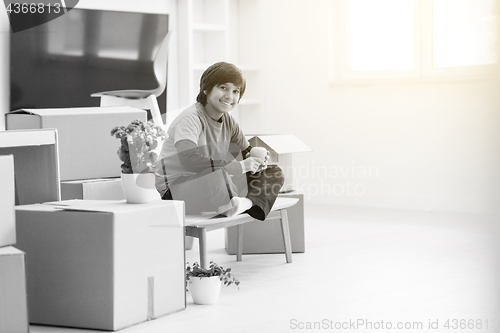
277 173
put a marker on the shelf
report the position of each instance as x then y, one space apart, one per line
218 30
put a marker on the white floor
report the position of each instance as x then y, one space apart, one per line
364 270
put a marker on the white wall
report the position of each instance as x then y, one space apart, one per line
431 146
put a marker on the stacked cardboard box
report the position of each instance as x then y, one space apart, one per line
92 264
36 164
7 202
103 264
86 148
13 300
92 189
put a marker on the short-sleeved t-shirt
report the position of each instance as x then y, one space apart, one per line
212 138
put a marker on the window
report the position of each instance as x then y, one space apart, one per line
412 39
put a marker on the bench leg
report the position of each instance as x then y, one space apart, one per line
202 240
239 242
286 235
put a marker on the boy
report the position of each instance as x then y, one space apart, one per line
206 160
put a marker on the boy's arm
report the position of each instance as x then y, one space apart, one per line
246 151
238 137
192 160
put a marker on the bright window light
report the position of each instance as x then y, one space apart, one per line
465 32
382 35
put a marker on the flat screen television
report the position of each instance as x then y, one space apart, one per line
60 63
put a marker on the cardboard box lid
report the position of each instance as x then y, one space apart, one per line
32 137
115 207
91 181
282 143
57 112
10 251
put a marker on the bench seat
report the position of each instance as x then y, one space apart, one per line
198 225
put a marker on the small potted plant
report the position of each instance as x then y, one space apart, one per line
139 140
204 284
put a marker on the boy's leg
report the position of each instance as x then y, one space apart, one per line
205 191
263 189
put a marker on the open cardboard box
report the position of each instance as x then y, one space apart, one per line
267 237
7 202
86 148
13 300
36 164
281 148
103 264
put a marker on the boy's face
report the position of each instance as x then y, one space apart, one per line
223 98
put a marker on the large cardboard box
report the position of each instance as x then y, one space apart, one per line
281 148
36 164
86 148
103 264
7 202
92 189
13 299
267 237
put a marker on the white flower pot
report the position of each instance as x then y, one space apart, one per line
205 290
139 187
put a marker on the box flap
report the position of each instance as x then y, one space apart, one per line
10 251
21 138
23 111
90 181
117 207
284 144
76 111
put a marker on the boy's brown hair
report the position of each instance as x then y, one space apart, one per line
220 73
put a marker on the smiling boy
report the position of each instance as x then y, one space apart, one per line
205 158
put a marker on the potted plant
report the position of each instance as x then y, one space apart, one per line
139 140
204 284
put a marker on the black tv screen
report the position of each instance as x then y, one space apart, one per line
62 62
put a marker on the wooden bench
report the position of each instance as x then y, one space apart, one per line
198 226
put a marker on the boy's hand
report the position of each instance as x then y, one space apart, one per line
258 151
251 164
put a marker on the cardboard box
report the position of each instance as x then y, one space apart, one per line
281 149
267 237
36 164
92 189
103 264
86 148
7 202
13 299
